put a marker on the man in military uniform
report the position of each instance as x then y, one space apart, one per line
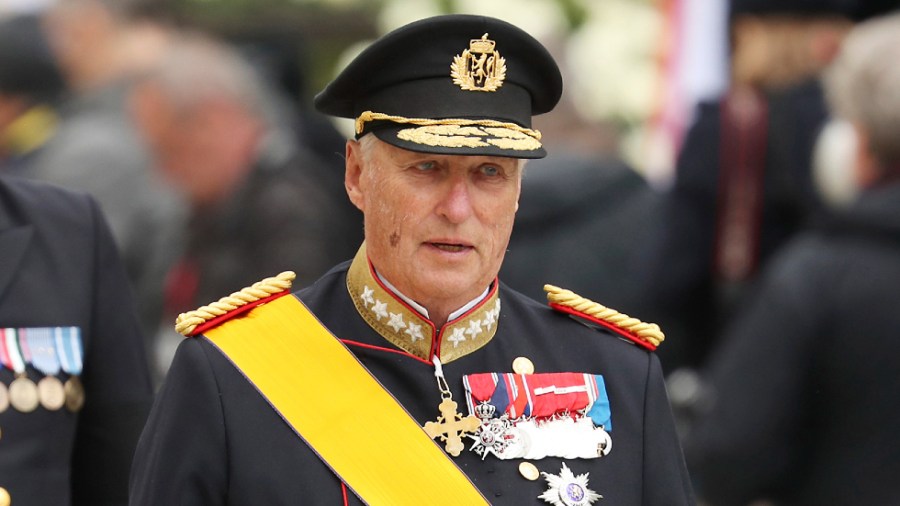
74 384
321 396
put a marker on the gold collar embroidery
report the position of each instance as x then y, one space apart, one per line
404 327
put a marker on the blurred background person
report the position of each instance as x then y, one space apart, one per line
742 184
75 388
584 212
99 46
579 224
804 385
30 89
280 58
254 208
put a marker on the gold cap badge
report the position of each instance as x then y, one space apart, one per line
479 68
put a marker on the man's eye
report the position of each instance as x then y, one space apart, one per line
490 170
425 166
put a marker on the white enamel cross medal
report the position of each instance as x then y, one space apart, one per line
568 489
491 437
451 425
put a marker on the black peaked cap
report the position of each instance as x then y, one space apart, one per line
410 79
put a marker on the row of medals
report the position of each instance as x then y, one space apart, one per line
25 395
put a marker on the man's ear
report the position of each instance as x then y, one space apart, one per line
352 174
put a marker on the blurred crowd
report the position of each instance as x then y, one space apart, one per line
200 163
772 261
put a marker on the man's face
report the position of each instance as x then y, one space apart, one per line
436 226
205 150
171 137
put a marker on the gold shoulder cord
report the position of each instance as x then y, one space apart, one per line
649 332
187 322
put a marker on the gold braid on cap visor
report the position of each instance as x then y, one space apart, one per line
459 133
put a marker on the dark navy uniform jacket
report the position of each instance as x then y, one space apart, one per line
213 440
59 267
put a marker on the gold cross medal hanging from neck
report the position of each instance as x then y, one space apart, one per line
450 425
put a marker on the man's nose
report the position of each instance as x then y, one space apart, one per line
456 204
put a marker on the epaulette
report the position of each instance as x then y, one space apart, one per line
647 335
204 318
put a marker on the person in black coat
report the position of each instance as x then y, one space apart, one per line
802 400
72 347
321 396
743 184
580 221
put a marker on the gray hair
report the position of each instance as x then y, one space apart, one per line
863 84
196 68
367 146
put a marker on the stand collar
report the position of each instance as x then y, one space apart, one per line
403 326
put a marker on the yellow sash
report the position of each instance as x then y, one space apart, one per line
340 409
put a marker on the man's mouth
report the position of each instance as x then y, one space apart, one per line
450 248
